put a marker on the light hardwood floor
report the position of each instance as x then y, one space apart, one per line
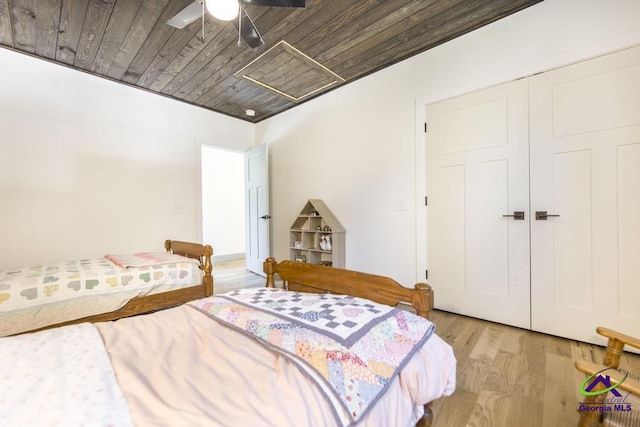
231 275
507 376
513 377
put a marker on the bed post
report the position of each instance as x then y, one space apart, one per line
202 253
427 418
423 302
267 267
207 267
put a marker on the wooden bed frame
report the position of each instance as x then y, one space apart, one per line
149 303
304 277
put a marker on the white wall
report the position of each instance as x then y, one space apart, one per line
223 210
361 148
89 167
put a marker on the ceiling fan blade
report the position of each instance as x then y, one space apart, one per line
276 3
187 15
248 30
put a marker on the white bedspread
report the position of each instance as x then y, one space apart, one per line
177 367
205 374
59 377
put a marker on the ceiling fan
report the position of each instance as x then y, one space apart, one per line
227 10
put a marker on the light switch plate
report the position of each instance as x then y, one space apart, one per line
400 205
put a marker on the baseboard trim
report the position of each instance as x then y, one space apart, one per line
228 257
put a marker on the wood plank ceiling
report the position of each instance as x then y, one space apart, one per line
128 41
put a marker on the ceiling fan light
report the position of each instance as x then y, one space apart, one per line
225 10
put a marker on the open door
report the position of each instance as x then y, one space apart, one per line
256 172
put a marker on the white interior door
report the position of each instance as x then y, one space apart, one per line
585 167
257 206
477 172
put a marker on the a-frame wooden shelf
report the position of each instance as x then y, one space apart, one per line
317 237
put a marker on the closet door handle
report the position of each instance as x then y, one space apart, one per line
543 215
517 216
265 217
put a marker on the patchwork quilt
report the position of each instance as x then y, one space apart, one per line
43 284
353 348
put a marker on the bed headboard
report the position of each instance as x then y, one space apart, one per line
203 253
304 277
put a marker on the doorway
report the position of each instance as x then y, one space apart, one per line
223 203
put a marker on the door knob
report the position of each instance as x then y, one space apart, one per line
265 217
543 215
517 216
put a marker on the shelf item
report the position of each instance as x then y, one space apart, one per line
317 237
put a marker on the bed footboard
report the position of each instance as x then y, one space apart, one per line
303 277
427 418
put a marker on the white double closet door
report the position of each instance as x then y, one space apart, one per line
565 143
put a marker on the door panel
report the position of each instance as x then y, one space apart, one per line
493 268
605 98
477 171
257 205
628 158
475 127
572 244
585 134
451 233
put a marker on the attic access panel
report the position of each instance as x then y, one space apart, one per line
288 72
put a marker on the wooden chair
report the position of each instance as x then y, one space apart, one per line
628 411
